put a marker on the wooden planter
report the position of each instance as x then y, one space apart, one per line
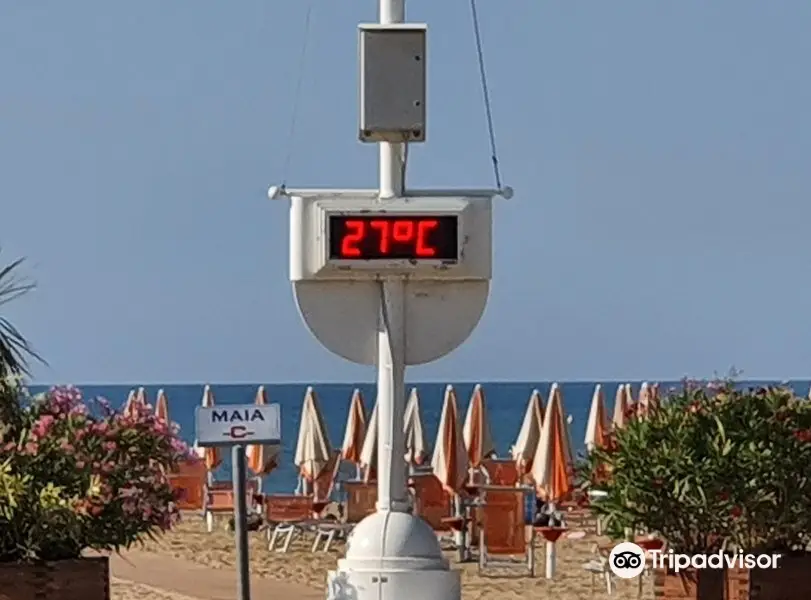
790 581
80 579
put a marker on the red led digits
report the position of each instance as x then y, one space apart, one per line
369 237
424 249
355 232
403 231
382 227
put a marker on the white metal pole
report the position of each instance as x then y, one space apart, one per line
392 155
391 476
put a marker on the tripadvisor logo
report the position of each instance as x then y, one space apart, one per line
628 560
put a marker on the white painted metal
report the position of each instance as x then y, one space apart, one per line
343 316
276 192
309 242
391 313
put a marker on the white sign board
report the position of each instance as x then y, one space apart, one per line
227 425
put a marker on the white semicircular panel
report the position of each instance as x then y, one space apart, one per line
342 315
440 316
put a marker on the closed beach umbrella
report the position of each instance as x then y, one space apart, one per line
313 449
136 400
416 447
551 468
644 403
633 405
620 408
355 430
597 426
368 452
129 405
262 459
523 451
476 432
654 396
211 455
449 461
162 406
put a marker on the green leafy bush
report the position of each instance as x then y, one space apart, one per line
713 467
75 476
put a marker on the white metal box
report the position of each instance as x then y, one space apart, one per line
310 256
392 82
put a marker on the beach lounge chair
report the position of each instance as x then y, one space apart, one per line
598 567
219 499
501 471
290 514
361 501
189 484
431 501
287 514
502 528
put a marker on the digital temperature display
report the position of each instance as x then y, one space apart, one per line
367 237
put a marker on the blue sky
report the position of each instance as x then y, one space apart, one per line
659 153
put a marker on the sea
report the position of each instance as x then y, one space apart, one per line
506 403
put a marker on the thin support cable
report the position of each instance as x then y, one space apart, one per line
485 93
297 95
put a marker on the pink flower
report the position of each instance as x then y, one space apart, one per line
31 448
179 446
42 426
9 446
80 464
66 447
110 446
79 410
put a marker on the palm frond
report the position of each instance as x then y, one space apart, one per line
15 350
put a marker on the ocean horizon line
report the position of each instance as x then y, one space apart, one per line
419 382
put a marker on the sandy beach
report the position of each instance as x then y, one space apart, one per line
127 590
216 550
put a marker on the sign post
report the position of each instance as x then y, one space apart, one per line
391 277
239 473
236 426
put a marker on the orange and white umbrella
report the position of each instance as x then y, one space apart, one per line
355 430
368 452
654 394
633 404
597 426
476 431
523 451
620 408
551 468
162 406
136 401
211 456
129 405
645 402
262 459
552 465
449 462
416 447
313 449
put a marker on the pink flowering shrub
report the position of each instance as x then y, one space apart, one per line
73 478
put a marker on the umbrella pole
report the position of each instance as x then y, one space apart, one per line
550 550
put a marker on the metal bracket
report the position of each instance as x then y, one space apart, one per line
279 192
